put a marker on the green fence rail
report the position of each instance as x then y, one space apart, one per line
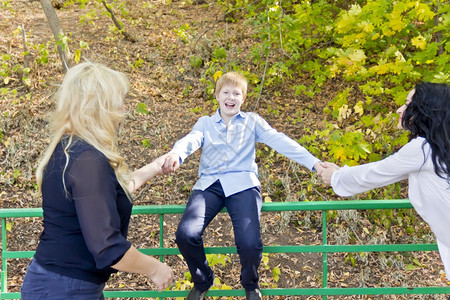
324 248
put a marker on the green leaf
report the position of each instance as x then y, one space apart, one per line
410 267
142 108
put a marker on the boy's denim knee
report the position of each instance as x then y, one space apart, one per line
186 237
251 251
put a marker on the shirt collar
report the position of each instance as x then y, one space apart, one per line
217 118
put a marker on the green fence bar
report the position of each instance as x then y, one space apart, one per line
324 248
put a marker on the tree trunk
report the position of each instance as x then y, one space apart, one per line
55 26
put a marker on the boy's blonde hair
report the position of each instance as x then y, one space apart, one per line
235 79
89 106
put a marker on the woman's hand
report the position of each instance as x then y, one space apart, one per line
162 277
147 172
159 163
135 261
327 171
171 163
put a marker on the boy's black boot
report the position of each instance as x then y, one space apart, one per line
195 294
253 294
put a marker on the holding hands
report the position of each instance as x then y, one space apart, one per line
171 163
162 165
325 170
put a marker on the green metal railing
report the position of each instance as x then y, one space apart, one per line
324 248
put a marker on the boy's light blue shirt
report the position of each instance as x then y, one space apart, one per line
228 152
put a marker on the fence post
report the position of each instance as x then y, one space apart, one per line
3 276
324 254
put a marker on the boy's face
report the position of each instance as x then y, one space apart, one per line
230 98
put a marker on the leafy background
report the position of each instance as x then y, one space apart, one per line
329 74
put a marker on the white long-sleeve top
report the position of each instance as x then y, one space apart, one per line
428 193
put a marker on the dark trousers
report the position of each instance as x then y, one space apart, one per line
40 284
244 209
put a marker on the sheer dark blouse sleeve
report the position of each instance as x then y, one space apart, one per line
93 186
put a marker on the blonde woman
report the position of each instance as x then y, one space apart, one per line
86 193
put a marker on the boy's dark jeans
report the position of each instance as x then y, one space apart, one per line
244 209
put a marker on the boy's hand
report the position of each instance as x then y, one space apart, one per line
319 167
171 163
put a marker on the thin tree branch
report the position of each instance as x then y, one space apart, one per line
28 57
118 25
281 35
438 33
265 65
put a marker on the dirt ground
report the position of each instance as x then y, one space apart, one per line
168 34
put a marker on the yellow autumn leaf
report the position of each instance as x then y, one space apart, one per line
359 108
382 69
396 23
424 12
357 55
419 42
375 36
9 226
399 56
339 153
344 112
343 61
348 19
366 27
217 75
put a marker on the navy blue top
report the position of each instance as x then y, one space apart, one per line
85 229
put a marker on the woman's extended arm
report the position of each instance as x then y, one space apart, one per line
137 262
349 181
147 172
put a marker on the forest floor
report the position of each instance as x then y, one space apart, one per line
164 80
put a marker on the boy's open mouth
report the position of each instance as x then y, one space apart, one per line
229 105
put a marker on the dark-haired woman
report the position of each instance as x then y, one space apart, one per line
424 161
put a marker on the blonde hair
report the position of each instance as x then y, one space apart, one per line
234 79
89 106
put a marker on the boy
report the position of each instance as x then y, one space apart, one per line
228 177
